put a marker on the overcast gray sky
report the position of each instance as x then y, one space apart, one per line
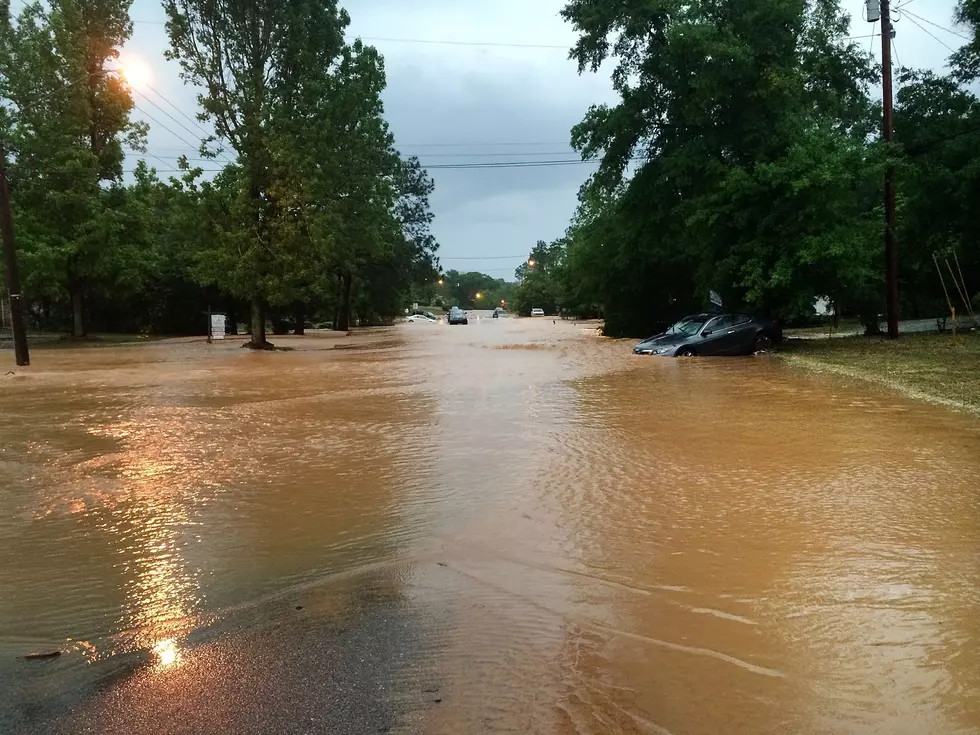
513 99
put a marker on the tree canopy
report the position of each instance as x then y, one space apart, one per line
743 157
313 214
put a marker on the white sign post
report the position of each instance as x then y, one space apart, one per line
217 326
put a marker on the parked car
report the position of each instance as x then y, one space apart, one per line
713 334
537 312
457 316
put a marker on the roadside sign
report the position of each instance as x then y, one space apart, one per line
715 299
217 326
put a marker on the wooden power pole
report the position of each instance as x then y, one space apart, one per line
891 247
21 354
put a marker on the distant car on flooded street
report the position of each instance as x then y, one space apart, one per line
713 334
537 312
458 316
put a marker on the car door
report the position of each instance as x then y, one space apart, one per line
713 336
744 332
724 335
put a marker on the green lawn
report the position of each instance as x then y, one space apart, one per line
846 326
56 340
938 367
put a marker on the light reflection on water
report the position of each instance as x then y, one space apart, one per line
167 652
609 544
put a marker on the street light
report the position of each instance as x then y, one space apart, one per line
479 295
441 282
530 263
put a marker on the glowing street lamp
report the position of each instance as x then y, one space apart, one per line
441 282
531 263
479 295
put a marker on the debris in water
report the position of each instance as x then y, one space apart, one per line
42 656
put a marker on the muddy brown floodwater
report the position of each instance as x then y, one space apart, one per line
513 526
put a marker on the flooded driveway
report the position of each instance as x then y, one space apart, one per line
513 526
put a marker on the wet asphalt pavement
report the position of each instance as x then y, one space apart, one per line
269 669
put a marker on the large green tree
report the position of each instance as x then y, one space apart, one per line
713 97
967 59
257 60
539 279
937 122
71 123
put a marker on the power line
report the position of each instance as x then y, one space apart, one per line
440 42
478 154
451 42
165 163
480 257
432 41
512 164
177 158
496 165
924 147
172 118
178 122
929 33
157 122
542 164
179 111
936 25
489 165
476 145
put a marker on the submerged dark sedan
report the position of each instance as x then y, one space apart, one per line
713 334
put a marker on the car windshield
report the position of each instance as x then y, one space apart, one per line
687 326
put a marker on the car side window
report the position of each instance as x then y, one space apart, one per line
719 323
711 326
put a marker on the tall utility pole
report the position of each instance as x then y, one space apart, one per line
21 354
891 248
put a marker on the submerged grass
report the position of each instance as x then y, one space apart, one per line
941 368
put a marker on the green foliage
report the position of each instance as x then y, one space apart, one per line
967 59
461 289
760 176
318 216
70 121
938 123
320 206
539 279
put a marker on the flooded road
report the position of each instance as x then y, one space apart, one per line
513 526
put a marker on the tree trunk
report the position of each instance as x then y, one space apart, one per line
343 323
299 317
78 311
231 321
869 319
280 325
258 341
